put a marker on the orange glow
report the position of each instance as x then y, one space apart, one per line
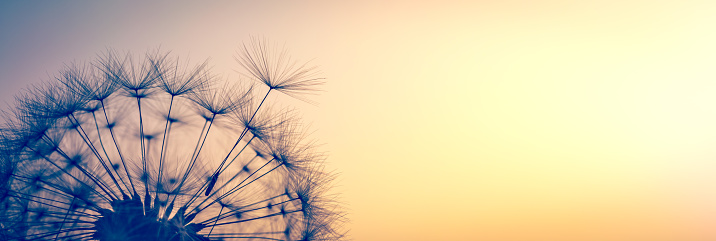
476 120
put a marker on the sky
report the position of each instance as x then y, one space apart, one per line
457 120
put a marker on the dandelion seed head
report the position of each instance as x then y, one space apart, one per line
107 150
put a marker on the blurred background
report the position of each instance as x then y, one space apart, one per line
456 120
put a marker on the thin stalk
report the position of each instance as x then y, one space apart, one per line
228 234
111 132
250 237
54 206
141 141
101 144
231 213
256 218
42 235
65 218
55 190
222 186
94 179
212 227
164 135
17 194
195 155
237 188
89 144
243 133
215 176
241 136
73 177
232 190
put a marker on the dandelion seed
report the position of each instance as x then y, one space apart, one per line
272 66
107 151
178 81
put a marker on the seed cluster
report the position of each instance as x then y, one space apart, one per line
151 148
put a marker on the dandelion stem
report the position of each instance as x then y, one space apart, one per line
256 218
249 237
54 206
65 218
237 155
215 176
99 136
77 234
94 179
238 210
141 141
89 144
164 139
257 233
222 186
116 144
66 172
240 187
213 226
243 133
197 150
42 235
56 191
233 189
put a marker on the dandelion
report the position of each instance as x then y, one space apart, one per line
149 148
273 67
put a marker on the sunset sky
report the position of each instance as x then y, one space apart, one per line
457 120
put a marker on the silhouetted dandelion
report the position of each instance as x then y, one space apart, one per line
150 148
272 66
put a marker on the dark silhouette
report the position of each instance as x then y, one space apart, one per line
150 148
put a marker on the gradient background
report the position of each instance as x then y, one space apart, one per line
474 120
